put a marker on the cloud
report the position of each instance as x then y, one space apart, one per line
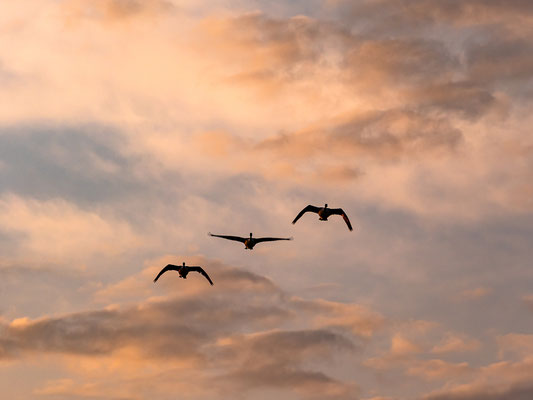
7 77
85 164
439 369
498 380
406 342
383 135
401 347
56 231
501 60
522 391
513 343
72 289
227 279
273 359
528 300
455 343
357 319
150 124
465 99
310 73
115 10
233 327
477 293
378 64
260 49
338 149
413 13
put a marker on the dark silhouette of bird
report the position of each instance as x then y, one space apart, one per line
249 242
324 213
183 270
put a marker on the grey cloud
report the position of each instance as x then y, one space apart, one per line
175 328
80 163
520 391
397 62
86 165
71 288
477 11
314 384
237 278
294 35
278 358
375 134
412 13
292 346
101 332
490 50
465 99
500 60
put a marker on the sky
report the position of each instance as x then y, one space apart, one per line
130 129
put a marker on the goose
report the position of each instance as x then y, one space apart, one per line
183 270
249 242
324 213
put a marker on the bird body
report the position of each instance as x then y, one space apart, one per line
183 270
324 213
249 242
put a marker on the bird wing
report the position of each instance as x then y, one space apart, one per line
306 209
201 270
340 211
236 238
169 267
269 239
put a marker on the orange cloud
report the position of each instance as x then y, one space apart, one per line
455 343
439 369
56 229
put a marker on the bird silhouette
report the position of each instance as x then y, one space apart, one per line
249 242
183 270
324 213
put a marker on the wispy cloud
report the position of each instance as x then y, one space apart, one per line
129 129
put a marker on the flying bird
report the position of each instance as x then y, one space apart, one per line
324 213
183 270
249 242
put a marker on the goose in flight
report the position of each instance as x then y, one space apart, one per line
249 242
324 213
183 270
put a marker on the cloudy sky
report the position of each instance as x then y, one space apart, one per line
129 129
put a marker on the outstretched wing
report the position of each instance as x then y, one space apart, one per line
169 267
269 239
339 211
201 270
306 209
236 238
